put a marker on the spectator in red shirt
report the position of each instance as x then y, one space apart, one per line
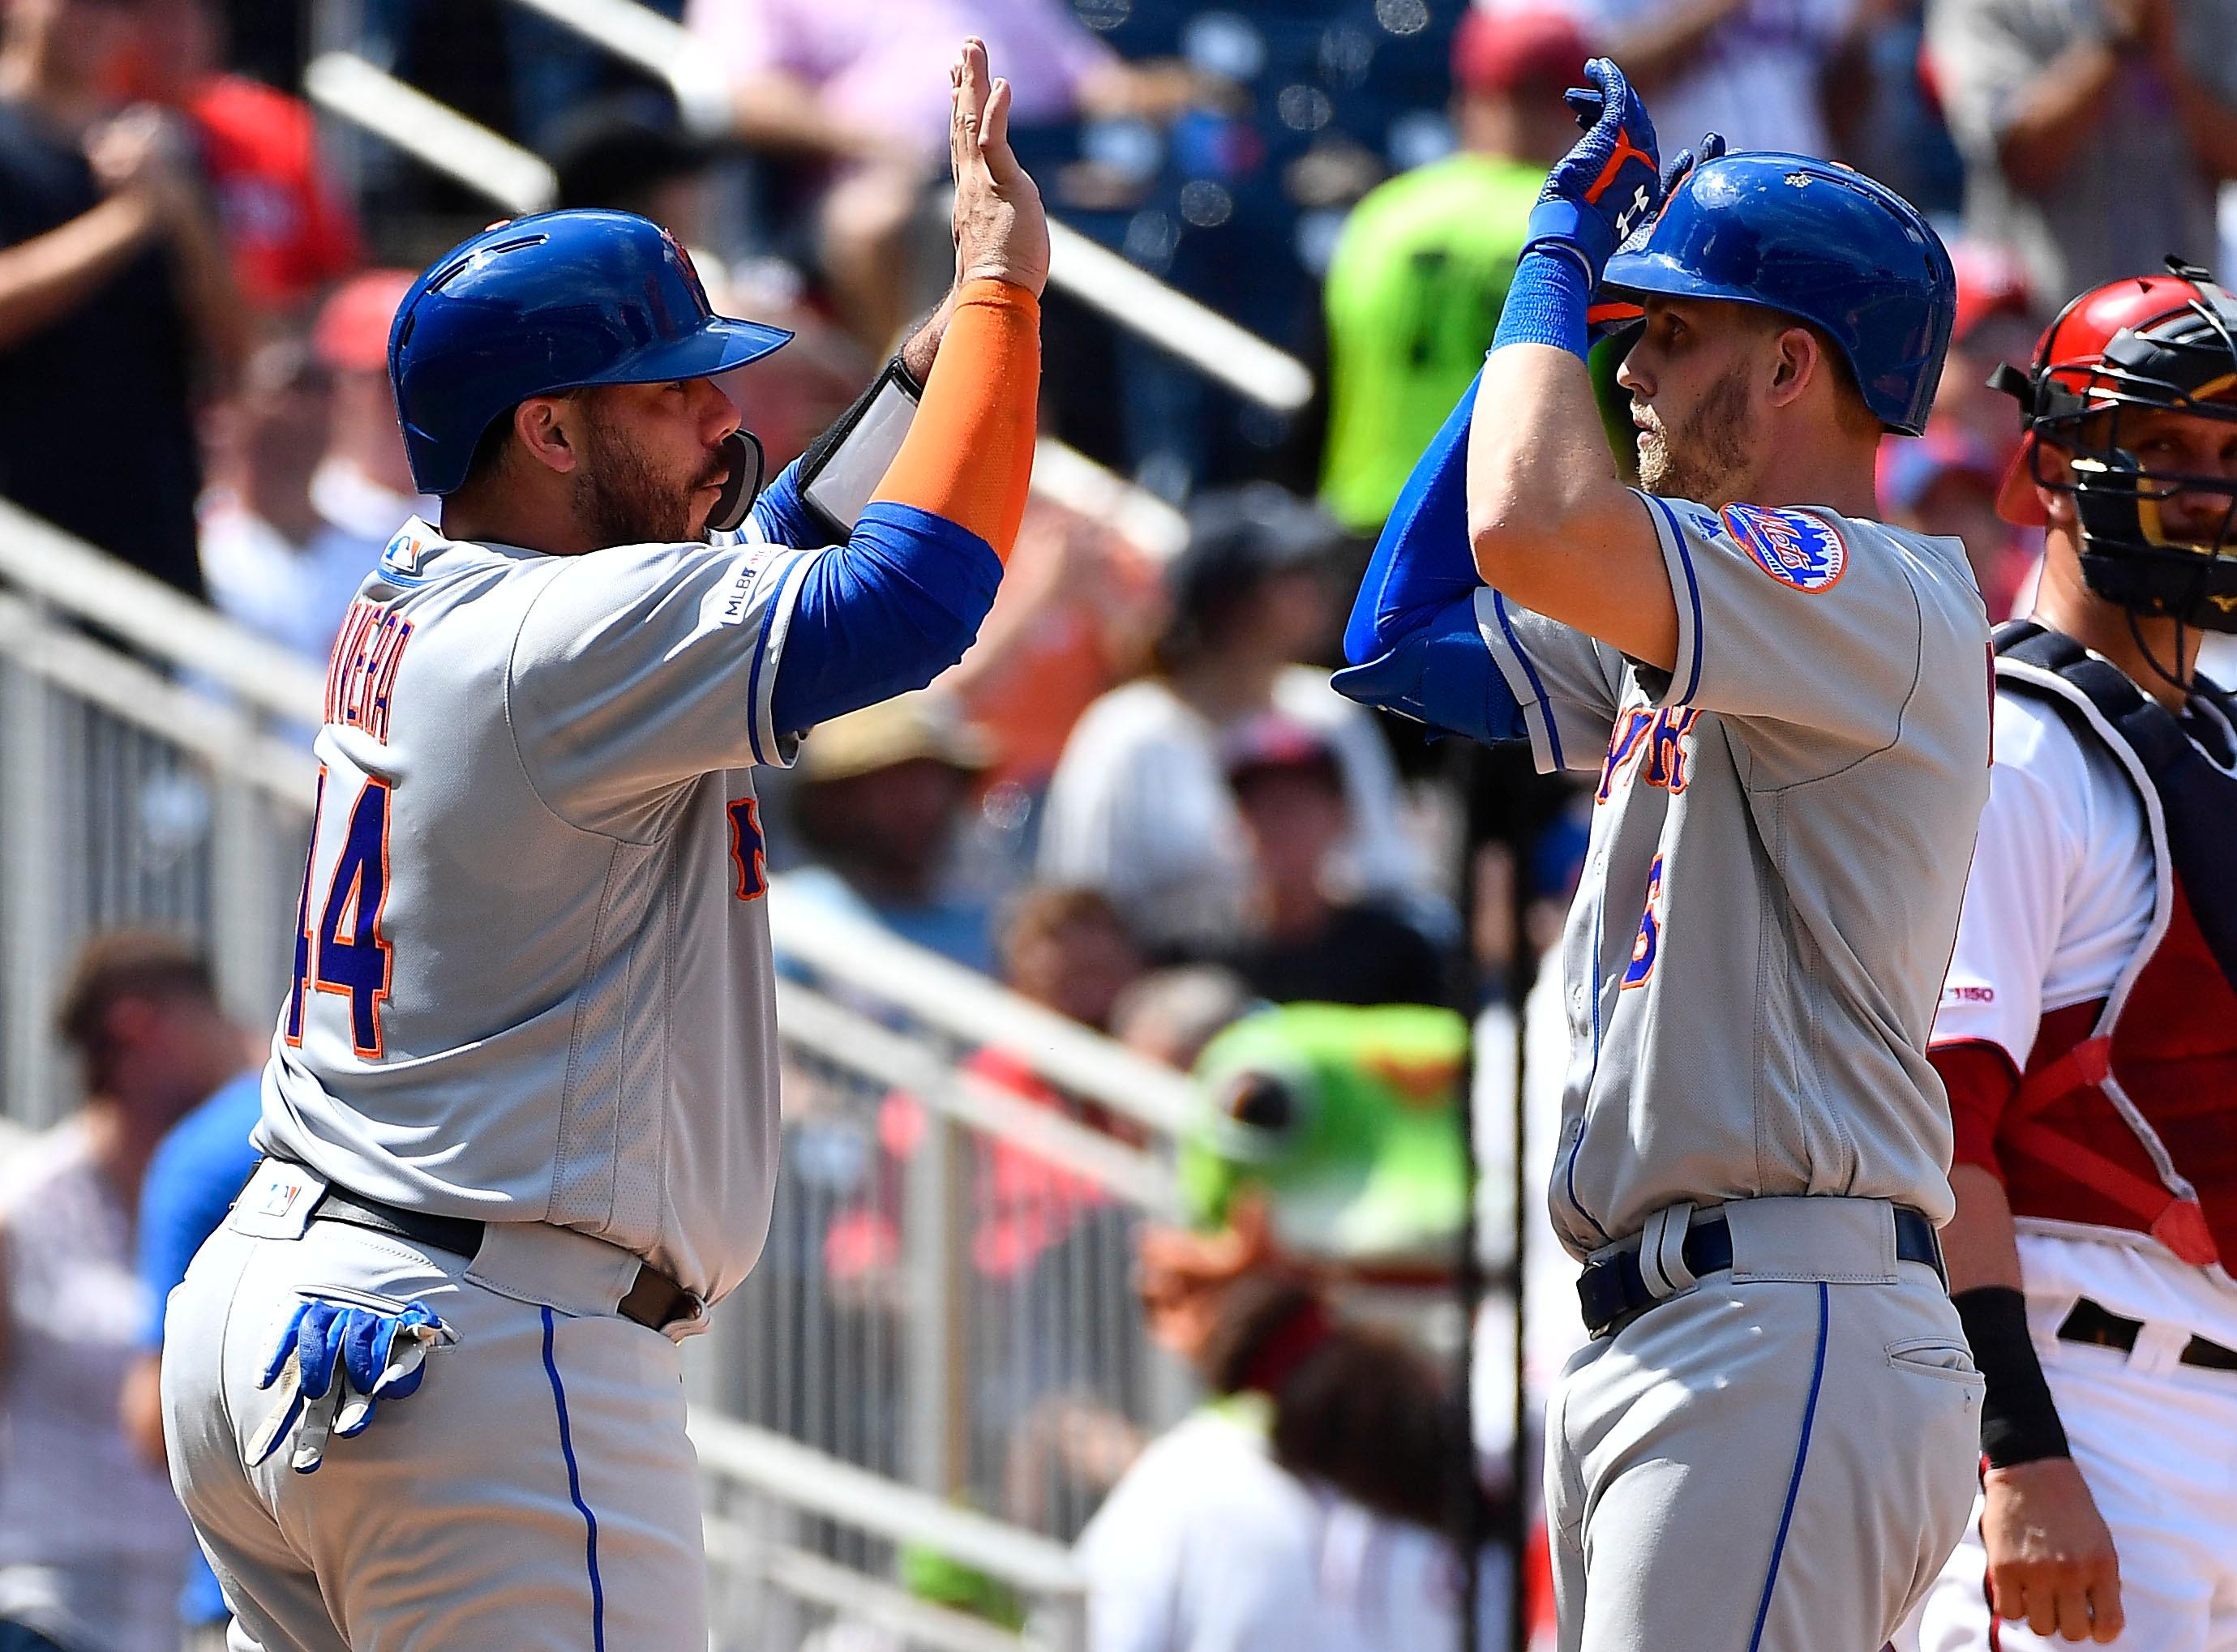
363 487
290 233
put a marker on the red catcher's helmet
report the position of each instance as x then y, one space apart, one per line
2165 342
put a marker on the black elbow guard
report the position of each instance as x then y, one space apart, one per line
843 466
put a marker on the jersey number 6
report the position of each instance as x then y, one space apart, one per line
1649 940
344 953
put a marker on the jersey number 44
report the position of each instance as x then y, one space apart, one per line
344 952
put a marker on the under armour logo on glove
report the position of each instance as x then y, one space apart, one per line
1632 216
1609 184
333 1361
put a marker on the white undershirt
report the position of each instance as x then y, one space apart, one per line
1208 1546
2060 891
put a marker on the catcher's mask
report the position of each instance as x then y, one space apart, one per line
2166 342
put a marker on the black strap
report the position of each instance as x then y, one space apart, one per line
653 1299
2101 1327
459 1236
1611 1289
2196 798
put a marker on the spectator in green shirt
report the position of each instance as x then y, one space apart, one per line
1423 267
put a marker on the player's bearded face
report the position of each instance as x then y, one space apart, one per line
626 493
1704 454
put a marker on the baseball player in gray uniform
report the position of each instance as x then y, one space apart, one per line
520 1118
1771 1441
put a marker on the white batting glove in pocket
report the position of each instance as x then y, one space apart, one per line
333 1363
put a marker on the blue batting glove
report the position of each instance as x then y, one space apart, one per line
1609 184
1711 148
1608 316
332 1362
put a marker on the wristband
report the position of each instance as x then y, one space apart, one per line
2019 1423
1546 302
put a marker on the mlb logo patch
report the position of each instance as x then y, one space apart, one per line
1791 546
278 1202
404 551
279 1197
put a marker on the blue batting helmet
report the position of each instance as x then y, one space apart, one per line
546 303
1822 243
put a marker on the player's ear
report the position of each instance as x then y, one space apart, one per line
2056 470
549 428
1797 361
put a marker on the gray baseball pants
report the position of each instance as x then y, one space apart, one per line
539 1491
1776 1457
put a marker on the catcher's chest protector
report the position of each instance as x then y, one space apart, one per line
2136 1114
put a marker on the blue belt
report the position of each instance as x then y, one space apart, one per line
1611 1289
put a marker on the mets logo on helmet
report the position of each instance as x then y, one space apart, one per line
1792 546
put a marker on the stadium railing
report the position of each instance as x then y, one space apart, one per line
778 1512
439 137
347 85
944 1305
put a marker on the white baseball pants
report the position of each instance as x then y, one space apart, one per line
539 1491
2157 1442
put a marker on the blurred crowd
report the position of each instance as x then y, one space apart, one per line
198 278
1137 800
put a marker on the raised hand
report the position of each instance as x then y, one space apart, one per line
1002 229
141 153
1711 148
1609 184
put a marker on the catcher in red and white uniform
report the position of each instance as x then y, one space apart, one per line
2088 1032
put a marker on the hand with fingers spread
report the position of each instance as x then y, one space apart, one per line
2050 1555
1607 185
1002 229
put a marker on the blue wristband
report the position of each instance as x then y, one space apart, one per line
1545 303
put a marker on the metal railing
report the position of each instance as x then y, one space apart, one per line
777 1510
945 1301
520 182
517 179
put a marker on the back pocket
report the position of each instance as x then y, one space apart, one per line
1937 1356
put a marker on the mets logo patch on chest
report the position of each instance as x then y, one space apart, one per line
1791 546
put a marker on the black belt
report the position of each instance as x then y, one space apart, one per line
1610 1289
655 1300
2091 1324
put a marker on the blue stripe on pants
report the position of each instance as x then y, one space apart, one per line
1801 1456
590 1521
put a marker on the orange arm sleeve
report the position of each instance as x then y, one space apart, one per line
1981 1080
969 452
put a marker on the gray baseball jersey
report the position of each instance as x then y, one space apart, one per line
532 976
1778 849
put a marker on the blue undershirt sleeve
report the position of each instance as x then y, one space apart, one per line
1422 559
885 613
1413 638
783 516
